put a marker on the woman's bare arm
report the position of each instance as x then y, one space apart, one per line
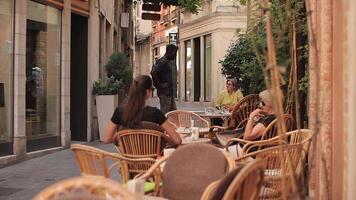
168 127
109 132
253 131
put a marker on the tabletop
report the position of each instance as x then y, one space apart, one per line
189 140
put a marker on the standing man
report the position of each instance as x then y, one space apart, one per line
162 79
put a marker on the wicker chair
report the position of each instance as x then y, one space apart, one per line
188 171
303 137
270 132
243 109
244 182
273 184
140 143
85 188
182 118
94 161
237 120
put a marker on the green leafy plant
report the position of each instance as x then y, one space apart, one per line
119 76
111 86
119 67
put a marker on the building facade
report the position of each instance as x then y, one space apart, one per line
204 39
51 52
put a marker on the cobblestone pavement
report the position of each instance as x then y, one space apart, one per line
23 180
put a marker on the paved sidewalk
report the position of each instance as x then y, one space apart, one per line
24 180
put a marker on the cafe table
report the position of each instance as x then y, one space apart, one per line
203 132
213 115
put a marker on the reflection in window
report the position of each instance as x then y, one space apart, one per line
6 38
42 71
207 68
188 72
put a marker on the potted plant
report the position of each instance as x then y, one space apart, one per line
119 76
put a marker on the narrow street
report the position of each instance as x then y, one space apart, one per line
22 181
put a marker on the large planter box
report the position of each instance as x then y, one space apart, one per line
105 106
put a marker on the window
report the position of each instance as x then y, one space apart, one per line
6 87
42 75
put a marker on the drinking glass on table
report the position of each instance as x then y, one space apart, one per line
195 133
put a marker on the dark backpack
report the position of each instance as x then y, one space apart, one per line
154 71
154 75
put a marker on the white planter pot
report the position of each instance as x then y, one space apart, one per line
105 106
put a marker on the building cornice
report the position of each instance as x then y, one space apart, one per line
212 23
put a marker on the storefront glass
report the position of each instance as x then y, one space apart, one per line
6 74
42 76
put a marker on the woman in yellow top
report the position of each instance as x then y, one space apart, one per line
229 97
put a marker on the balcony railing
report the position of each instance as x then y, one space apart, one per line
174 14
165 19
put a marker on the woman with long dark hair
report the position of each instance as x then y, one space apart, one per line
135 111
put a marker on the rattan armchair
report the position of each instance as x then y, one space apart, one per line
85 188
94 161
301 136
183 118
270 132
277 167
243 108
238 120
244 182
188 171
140 143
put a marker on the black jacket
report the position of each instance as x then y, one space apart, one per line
163 69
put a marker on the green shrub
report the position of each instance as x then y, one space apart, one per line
119 67
109 87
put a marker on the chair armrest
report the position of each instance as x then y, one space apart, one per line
150 172
217 127
208 192
238 140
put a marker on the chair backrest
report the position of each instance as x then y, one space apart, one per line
182 118
274 169
138 143
243 182
247 184
245 106
272 129
190 169
85 187
94 161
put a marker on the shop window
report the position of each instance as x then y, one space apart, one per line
6 71
42 76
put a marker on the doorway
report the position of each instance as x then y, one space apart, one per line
78 77
197 69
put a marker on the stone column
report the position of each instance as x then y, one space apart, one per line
65 75
93 68
20 79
